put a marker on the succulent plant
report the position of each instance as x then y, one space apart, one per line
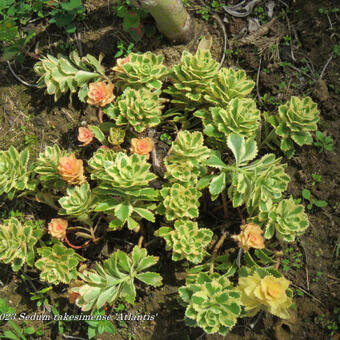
213 303
62 74
141 108
123 188
264 289
124 172
115 279
257 185
191 78
227 85
141 70
294 122
57 264
17 241
288 219
47 167
187 241
116 135
79 202
240 116
184 161
14 175
179 201
96 162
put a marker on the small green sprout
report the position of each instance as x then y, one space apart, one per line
323 142
306 194
316 179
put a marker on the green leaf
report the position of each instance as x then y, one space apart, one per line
244 151
153 279
320 204
98 134
215 162
106 204
218 184
123 211
306 194
147 214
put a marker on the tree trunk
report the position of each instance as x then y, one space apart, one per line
171 17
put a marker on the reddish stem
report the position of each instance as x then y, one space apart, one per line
243 221
100 115
76 247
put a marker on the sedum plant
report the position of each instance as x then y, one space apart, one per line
257 185
124 173
128 178
240 116
227 85
47 167
58 264
187 241
140 70
78 203
140 108
191 77
17 241
14 175
69 74
179 201
288 219
115 279
295 119
264 289
213 303
184 161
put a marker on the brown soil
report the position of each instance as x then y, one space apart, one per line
27 118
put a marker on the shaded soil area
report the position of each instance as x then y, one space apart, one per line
294 55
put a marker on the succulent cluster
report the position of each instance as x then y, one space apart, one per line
58 264
257 185
213 303
140 70
141 108
47 167
14 175
227 85
239 116
118 186
61 75
184 162
187 241
190 79
115 279
79 202
294 121
180 201
17 241
288 219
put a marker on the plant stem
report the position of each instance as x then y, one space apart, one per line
217 247
224 202
76 247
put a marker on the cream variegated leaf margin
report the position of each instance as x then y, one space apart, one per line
68 74
58 264
187 241
184 162
17 241
141 70
14 173
213 303
115 279
141 108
